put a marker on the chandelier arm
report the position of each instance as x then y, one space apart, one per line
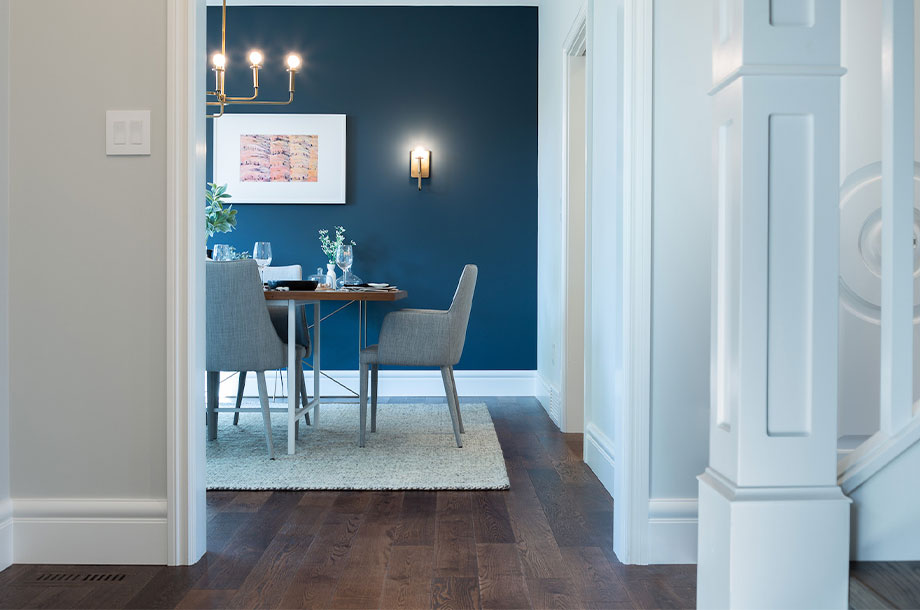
244 99
218 115
271 103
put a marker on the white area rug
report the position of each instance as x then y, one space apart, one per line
413 448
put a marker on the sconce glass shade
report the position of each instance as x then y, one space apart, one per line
419 163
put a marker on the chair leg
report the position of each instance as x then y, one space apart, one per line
451 405
241 386
374 370
304 401
453 383
266 414
362 400
213 389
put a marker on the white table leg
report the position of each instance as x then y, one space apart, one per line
316 366
291 372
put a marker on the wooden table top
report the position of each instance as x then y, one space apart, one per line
334 295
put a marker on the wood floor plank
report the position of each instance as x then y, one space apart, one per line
553 593
314 582
417 519
246 501
168 586
361 582
455 593
267 581
595 580
501 580
229 568
897 582
408 580
565 518
455 543
206 599
537 547
491 523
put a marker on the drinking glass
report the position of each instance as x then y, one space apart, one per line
344 256
221 252
262 254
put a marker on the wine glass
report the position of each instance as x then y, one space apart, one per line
262 254
344 256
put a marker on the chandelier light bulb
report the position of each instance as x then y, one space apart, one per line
293 61
255 58
219 61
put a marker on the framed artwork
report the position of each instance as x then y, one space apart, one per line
281 158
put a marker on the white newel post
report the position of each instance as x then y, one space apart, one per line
773 524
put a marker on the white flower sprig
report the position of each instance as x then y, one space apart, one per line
329 246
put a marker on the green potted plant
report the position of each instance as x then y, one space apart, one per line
220 215
329 247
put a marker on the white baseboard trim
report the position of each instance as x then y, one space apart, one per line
6 533
422 382
672 530
549 398
82 531
599 455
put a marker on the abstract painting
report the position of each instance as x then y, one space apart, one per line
281 158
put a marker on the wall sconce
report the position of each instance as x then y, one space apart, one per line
419 164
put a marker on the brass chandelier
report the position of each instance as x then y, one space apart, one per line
219 65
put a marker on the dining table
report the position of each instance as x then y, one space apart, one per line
294 298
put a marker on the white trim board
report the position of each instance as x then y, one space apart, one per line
599 455
672 530
6 533
80 531
403 383
549 398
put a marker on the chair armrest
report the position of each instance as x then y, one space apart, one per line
415 337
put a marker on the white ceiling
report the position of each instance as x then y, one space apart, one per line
376 2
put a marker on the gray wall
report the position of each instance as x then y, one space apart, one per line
88 263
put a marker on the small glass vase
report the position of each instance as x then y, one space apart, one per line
330 275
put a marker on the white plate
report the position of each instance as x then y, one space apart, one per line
377 285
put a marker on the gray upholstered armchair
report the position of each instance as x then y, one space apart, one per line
241 337
279 319
421 337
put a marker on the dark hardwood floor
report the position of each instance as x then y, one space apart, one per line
545 543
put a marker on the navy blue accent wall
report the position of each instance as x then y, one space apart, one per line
461 81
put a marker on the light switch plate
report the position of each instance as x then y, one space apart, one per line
127 132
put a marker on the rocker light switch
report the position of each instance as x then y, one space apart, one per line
127 132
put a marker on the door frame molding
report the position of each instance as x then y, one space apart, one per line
185 244
574 45
632 442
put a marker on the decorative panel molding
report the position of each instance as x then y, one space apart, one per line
792 13
790 260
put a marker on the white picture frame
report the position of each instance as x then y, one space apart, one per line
281 158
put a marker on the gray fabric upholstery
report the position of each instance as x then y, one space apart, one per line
426 337
240 334
420 337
